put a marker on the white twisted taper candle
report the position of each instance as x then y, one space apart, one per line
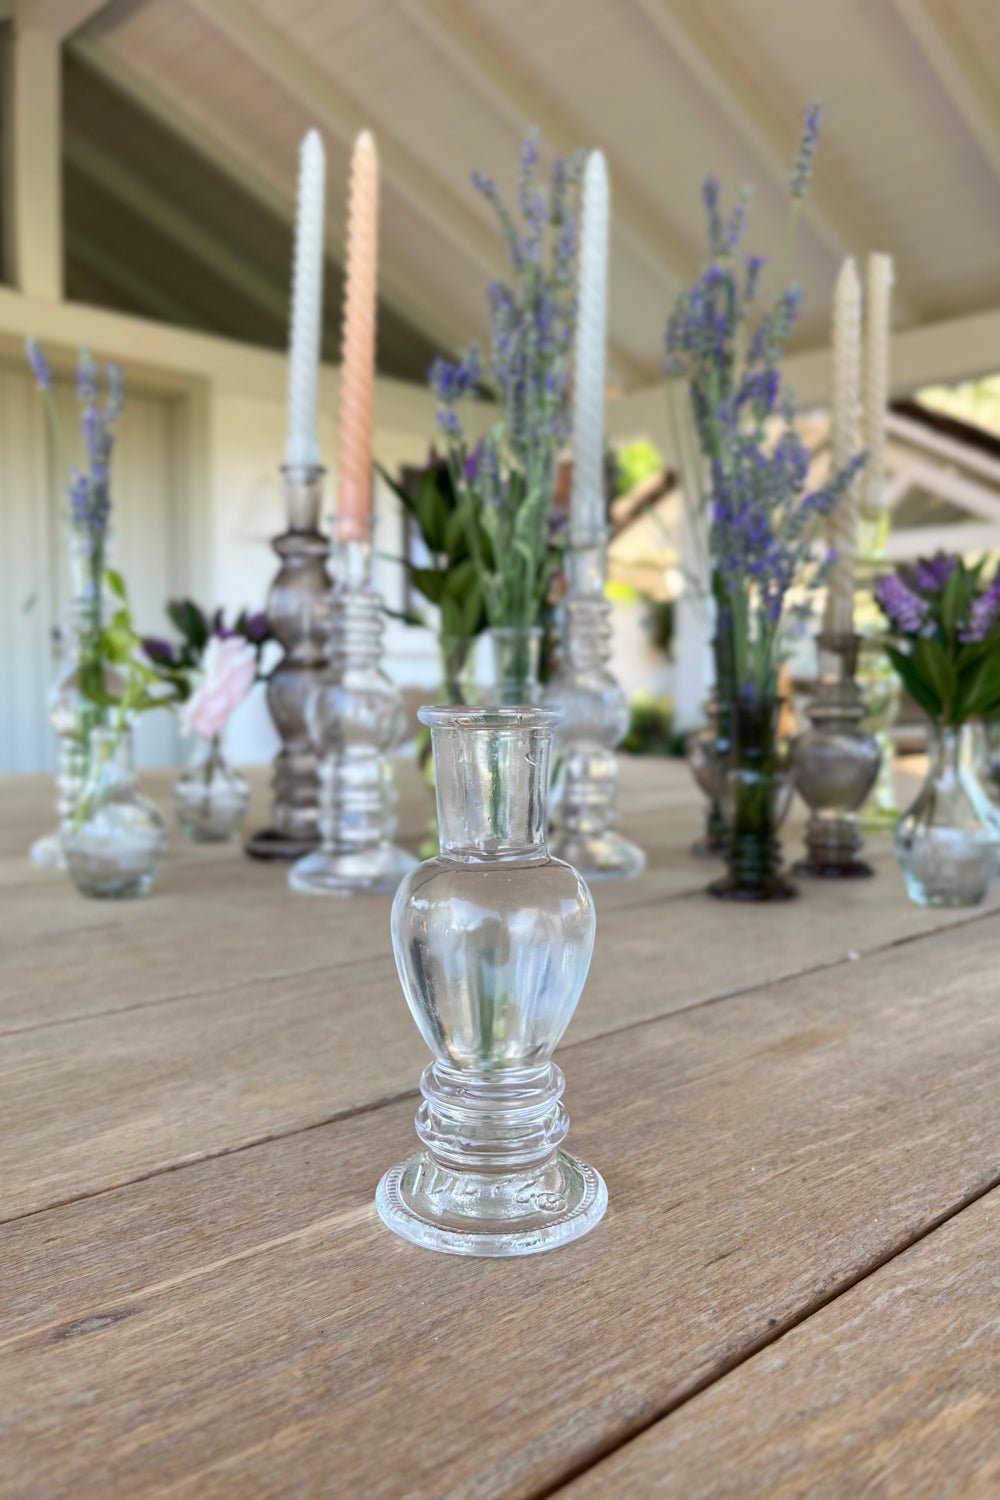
357 366
842 527
307 304
878 316
587 519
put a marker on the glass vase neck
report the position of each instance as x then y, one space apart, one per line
492 778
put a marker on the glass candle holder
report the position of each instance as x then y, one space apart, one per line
297 610
594 720
836 762
493 941
356 718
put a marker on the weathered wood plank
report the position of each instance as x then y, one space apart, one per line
221 1060
245 1327
891 1390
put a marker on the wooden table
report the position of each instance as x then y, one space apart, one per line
795 1290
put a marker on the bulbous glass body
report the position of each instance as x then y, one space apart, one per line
114 838
210 797
492 940
948 840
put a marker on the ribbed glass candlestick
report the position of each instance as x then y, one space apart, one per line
356 719
594 720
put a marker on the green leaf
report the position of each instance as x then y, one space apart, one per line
933 663
919 689
116 584
980 690
429 582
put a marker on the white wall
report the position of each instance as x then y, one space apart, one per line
228 450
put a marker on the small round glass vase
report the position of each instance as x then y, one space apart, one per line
948 840
210 798
492 941
114 839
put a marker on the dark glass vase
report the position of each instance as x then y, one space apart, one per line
757 787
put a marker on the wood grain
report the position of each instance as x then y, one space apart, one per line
891 1390
244 1327
185 1055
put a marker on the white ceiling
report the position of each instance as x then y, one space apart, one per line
670 89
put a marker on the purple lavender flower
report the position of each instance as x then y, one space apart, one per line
932 573
802 169
40 367
902 607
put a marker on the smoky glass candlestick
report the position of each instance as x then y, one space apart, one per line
594 719
492 940
836 763
355 718
298 613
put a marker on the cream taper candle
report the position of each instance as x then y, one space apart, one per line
357 365
587 519
302 447
842 527
878 301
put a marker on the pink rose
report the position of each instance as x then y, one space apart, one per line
229 669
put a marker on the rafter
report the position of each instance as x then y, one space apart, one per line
335 110
686 32
56 18
495 71
167 219
152 300
270 189
956 64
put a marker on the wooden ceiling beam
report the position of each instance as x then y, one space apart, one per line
270 189
491 67
136 194
334 110
956 65
57 19
744 103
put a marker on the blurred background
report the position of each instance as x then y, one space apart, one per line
147 182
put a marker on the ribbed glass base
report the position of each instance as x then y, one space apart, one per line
494 1214
351 872
598 856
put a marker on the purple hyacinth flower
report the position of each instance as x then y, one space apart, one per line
903 608
256 628
984 612
932 573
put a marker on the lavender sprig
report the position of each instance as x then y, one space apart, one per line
510 480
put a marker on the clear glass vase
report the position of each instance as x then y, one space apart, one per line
115 837
990 759
492 940
517 655
948 840
758 793
82 676
210 798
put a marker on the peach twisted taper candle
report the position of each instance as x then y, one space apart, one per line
877 312
842 527
357 366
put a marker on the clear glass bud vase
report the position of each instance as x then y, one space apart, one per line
493 940
594 720
114 838
948 840
210 797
